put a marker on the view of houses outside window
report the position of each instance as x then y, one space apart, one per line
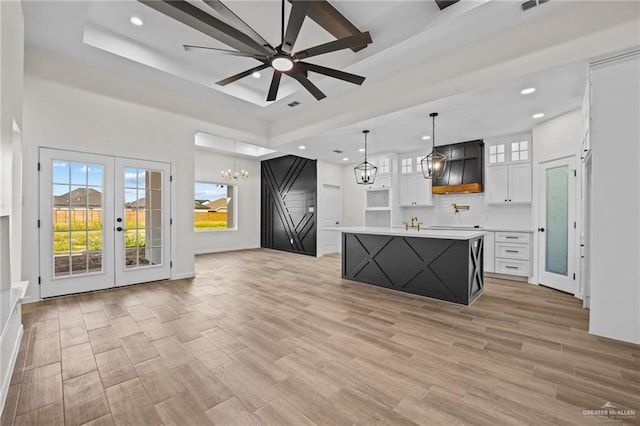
213 206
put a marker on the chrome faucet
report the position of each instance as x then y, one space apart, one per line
414 224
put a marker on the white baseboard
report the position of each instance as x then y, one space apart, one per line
12 364
220 250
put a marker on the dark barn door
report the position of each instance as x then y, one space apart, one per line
288 209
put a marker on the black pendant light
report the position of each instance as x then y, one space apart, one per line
365 172
434 163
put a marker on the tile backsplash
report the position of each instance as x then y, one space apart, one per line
443 213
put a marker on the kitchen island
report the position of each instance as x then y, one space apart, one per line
443 264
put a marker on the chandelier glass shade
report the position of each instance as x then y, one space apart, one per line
434 163
234 174
365 172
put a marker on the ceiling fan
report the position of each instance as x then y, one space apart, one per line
229 29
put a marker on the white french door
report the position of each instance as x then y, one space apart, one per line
557 229
104 222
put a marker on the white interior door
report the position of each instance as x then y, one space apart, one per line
142 212
557 229
83 245
76 222
332 217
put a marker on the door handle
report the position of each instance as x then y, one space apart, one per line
541 229
119 229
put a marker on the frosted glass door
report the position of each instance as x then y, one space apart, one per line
557 220
557 225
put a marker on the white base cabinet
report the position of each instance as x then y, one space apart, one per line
489 251
508 253
513 253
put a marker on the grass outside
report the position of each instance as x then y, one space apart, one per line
210 220
81 236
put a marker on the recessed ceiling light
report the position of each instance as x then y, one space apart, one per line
528 90
538 115
345 159
361 150
302 147
256 74
424 138
136 21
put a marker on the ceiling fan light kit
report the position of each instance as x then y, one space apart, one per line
225 26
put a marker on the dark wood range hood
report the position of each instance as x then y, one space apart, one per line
463 173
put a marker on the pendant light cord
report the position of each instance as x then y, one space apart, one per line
433 134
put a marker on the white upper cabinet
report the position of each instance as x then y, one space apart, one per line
508 172
413 188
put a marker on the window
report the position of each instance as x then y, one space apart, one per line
384 166
406 166
519 151
496 154
214 206
419 163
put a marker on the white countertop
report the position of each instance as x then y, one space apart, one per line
445 234
471 228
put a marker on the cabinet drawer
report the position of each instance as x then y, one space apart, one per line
513 237
512 251
512 267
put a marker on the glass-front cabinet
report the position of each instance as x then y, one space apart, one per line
508 175
413 189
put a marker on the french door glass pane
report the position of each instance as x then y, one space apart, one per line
77 217
143 212
557 232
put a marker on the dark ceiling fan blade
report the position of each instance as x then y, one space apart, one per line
196 18
302 79
341 75
235 20
275 84
299 10
190 48
241 75
360 39
325 15
443 4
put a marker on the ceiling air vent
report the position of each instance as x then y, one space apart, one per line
337 151
293 104
532 3
443 4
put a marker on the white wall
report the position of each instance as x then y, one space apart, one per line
247 235
11 88
615 142
328 174
60 116
559 137
353 196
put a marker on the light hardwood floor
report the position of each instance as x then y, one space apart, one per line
264 337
